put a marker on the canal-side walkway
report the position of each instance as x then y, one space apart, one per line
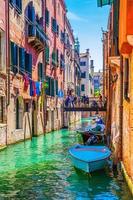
41 169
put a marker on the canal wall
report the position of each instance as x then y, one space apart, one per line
3 132
71 117
128 178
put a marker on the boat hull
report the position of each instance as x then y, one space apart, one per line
89 166
89 158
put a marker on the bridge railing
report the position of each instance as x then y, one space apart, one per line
91 103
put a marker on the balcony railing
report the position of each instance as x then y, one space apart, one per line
36 36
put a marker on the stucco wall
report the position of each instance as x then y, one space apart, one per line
128 127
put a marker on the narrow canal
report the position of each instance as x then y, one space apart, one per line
41 169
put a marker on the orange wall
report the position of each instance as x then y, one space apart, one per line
2 15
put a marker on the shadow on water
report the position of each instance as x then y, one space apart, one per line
41 169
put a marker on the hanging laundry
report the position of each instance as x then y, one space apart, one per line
26 82
32 88
38 88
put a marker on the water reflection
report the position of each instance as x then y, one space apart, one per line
41 169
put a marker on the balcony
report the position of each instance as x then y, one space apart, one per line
36 36
126 27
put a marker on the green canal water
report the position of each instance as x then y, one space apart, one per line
41 169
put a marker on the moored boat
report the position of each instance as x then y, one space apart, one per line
89 158
87 134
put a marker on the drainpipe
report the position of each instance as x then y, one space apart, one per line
121 105
103 66
44 62
7 51
7 57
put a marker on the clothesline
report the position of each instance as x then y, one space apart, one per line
24 72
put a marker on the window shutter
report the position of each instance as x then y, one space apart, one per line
52 92
13 2
47 16
12 55
19 6
40 71
56 86
21 59
57 29
30 65
29 12
54 25
47 54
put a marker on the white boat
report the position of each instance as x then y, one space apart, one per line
89 158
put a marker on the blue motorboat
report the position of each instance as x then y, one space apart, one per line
89 158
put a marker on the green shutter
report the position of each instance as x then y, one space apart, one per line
56 86
47 54
40 71
52 92
101 3
47 17
54 58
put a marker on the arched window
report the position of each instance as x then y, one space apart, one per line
30 19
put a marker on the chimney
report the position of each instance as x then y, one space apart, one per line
87 51
92 67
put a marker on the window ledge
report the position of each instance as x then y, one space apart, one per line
2 125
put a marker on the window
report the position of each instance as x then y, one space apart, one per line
28 64
19 114
82 88
82 63
126 79
52 92
47 54
62 61
47 17
54 58
54 25
52 88
83 75
14 57
2 109
2 52
57 30
17 5
62 36
56 86
40 71
101 3
21 60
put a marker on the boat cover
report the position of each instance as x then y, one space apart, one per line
90 153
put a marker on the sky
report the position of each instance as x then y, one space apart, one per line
87 21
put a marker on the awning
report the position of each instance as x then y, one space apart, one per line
101 3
